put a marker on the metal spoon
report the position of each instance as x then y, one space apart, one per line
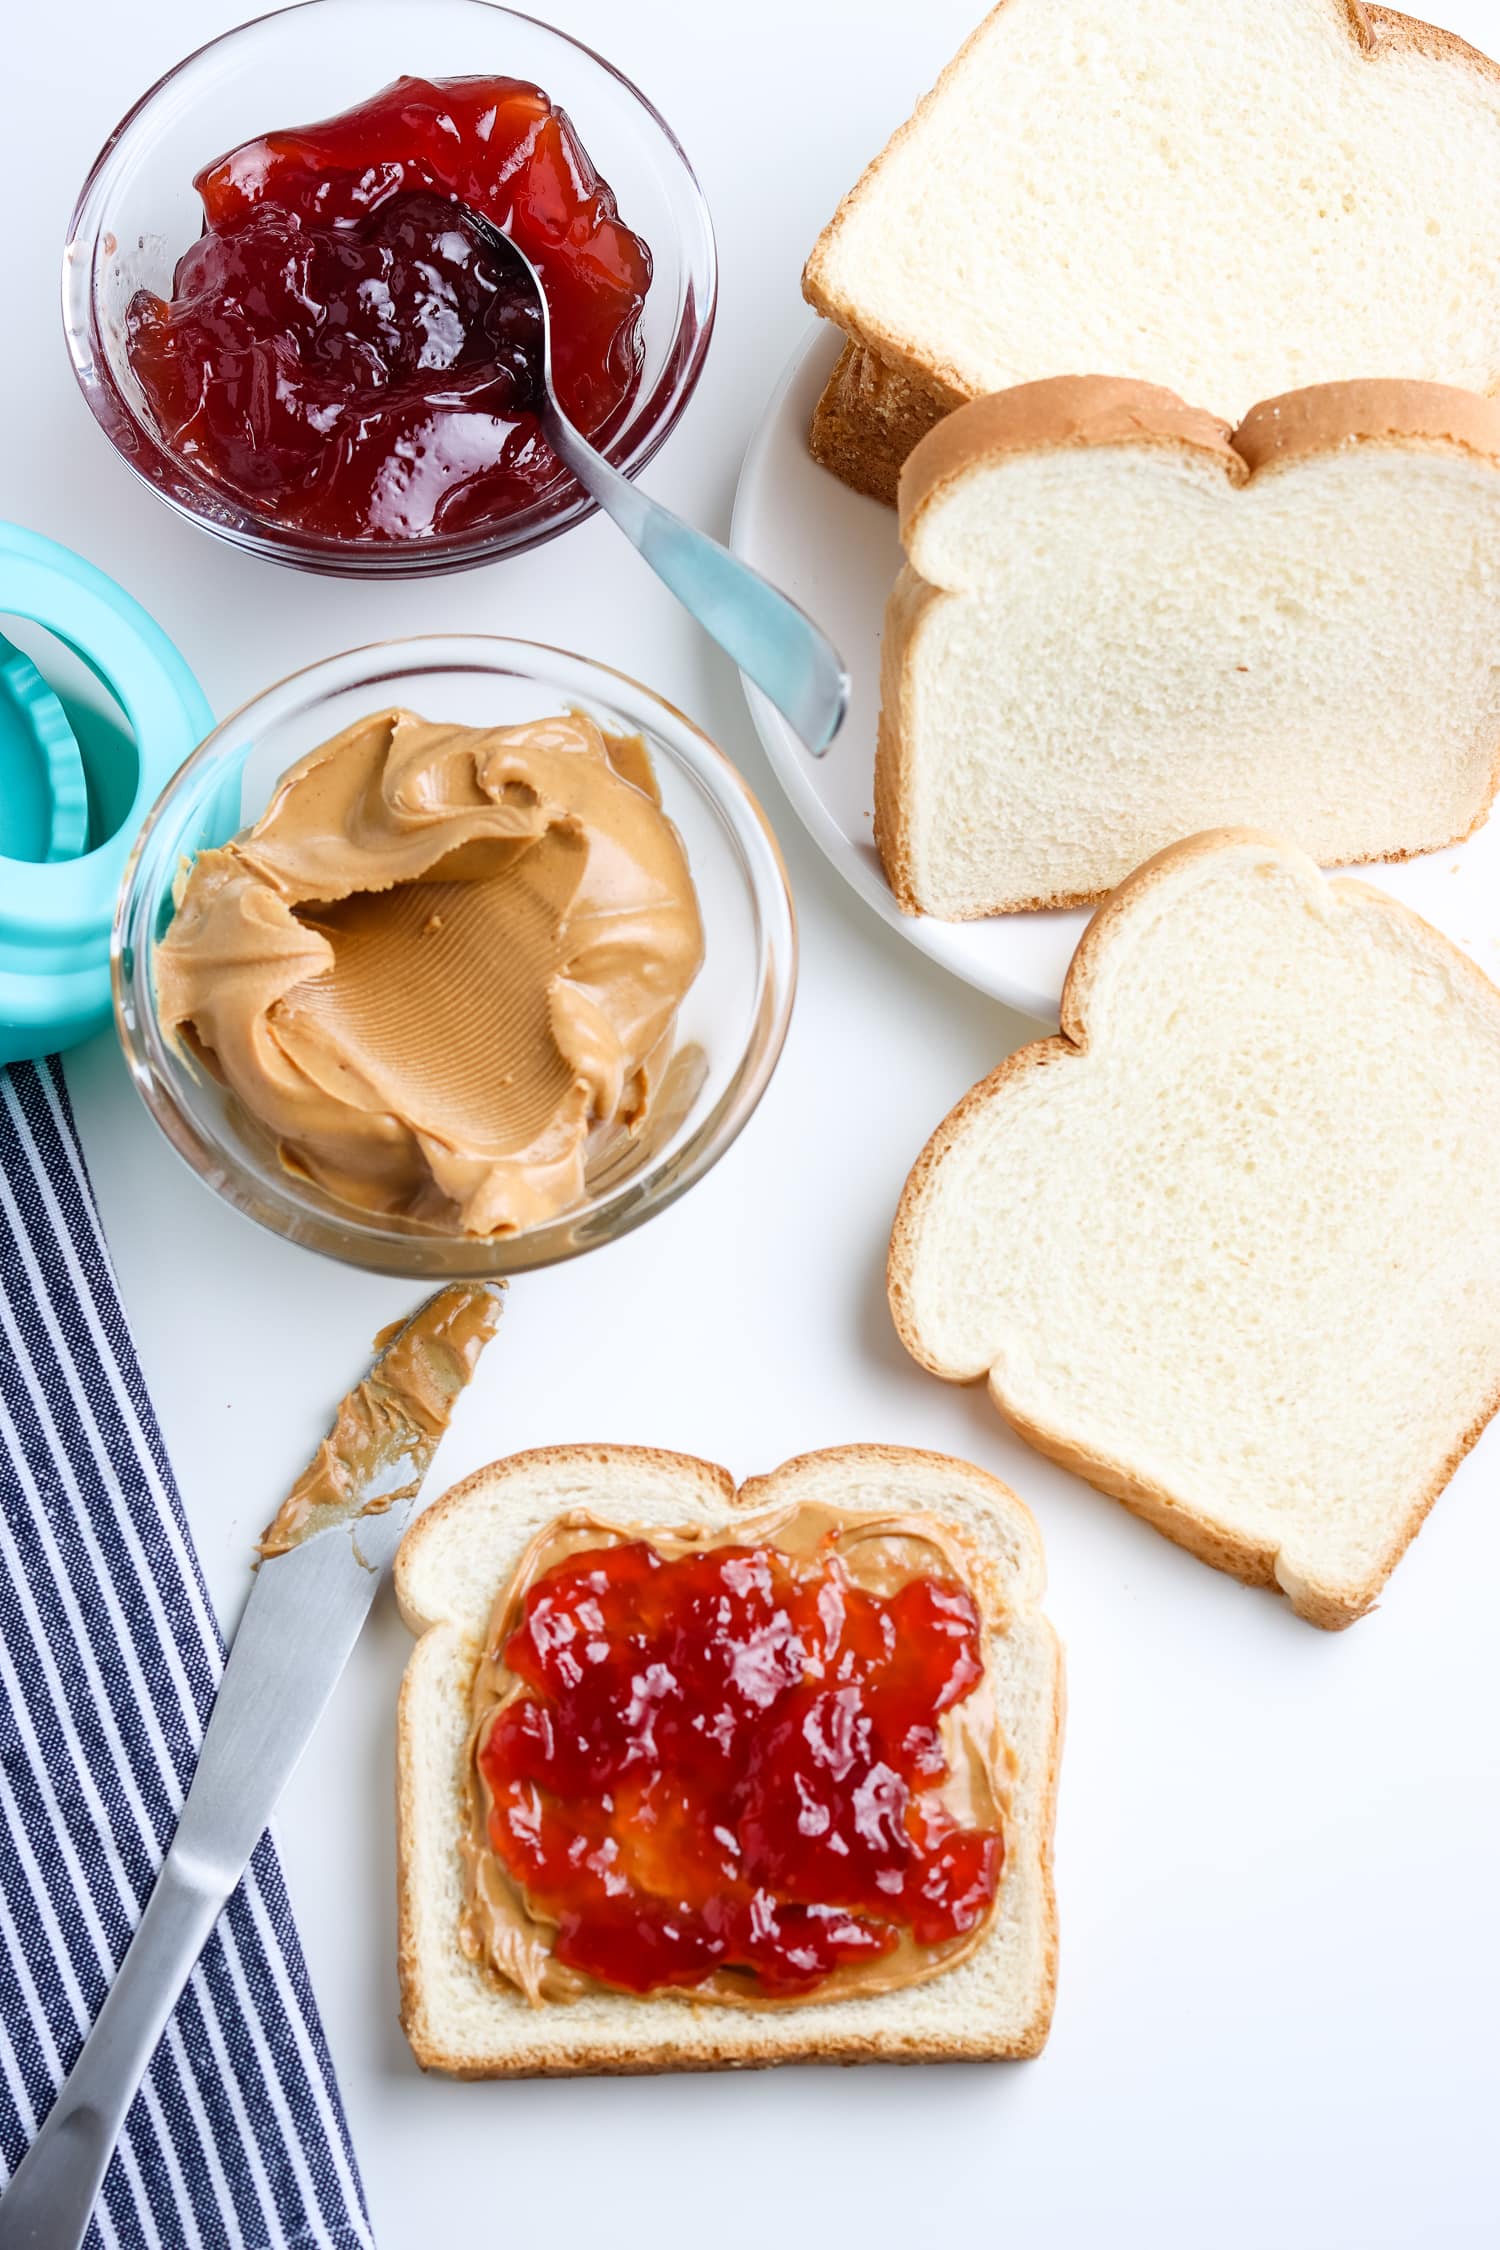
771 640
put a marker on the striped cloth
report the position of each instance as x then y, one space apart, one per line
109 1657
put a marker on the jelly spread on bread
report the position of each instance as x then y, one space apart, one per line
758 1766
441 973
340 350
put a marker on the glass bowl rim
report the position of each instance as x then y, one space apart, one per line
605 1217
227 516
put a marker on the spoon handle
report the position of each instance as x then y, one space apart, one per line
773 642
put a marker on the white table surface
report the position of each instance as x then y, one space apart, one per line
1277 1850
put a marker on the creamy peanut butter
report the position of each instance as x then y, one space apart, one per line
504 1929
442 964
387 1428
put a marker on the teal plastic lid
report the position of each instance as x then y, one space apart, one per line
57 903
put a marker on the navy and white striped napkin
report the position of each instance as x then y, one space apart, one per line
109 1658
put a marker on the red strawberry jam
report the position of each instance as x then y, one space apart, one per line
344 355
732 1761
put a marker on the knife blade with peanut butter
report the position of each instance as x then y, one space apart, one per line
387 1428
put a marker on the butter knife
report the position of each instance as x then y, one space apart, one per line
326 1554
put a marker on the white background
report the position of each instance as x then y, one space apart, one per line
1277 1850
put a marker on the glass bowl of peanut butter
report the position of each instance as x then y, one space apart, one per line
454 956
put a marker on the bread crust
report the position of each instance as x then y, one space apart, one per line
1058 414
1072 412
520 2059
559 1458
911 598
867 421
1253 1562
1326 417
915 382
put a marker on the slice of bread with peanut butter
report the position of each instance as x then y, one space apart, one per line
489 1988
1226 197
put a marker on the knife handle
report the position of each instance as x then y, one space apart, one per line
53 2190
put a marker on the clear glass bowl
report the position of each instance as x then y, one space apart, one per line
730 1029
138 212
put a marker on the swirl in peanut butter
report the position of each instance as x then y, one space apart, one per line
443 962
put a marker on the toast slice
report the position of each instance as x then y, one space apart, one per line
1119 625
1229 1246
452 1565
1226 197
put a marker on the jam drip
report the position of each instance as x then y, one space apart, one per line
341 352
733 1762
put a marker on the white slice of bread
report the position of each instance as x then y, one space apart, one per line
1228 197
1229 1246
453 1564
1118 625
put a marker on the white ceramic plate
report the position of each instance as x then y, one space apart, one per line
838 554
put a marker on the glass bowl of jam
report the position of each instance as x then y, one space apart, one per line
385 1069
279 316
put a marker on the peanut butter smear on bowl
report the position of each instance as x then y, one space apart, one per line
443 960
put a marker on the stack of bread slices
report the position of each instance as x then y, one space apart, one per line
1180 353
1173 329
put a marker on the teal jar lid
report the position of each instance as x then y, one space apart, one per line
56 912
